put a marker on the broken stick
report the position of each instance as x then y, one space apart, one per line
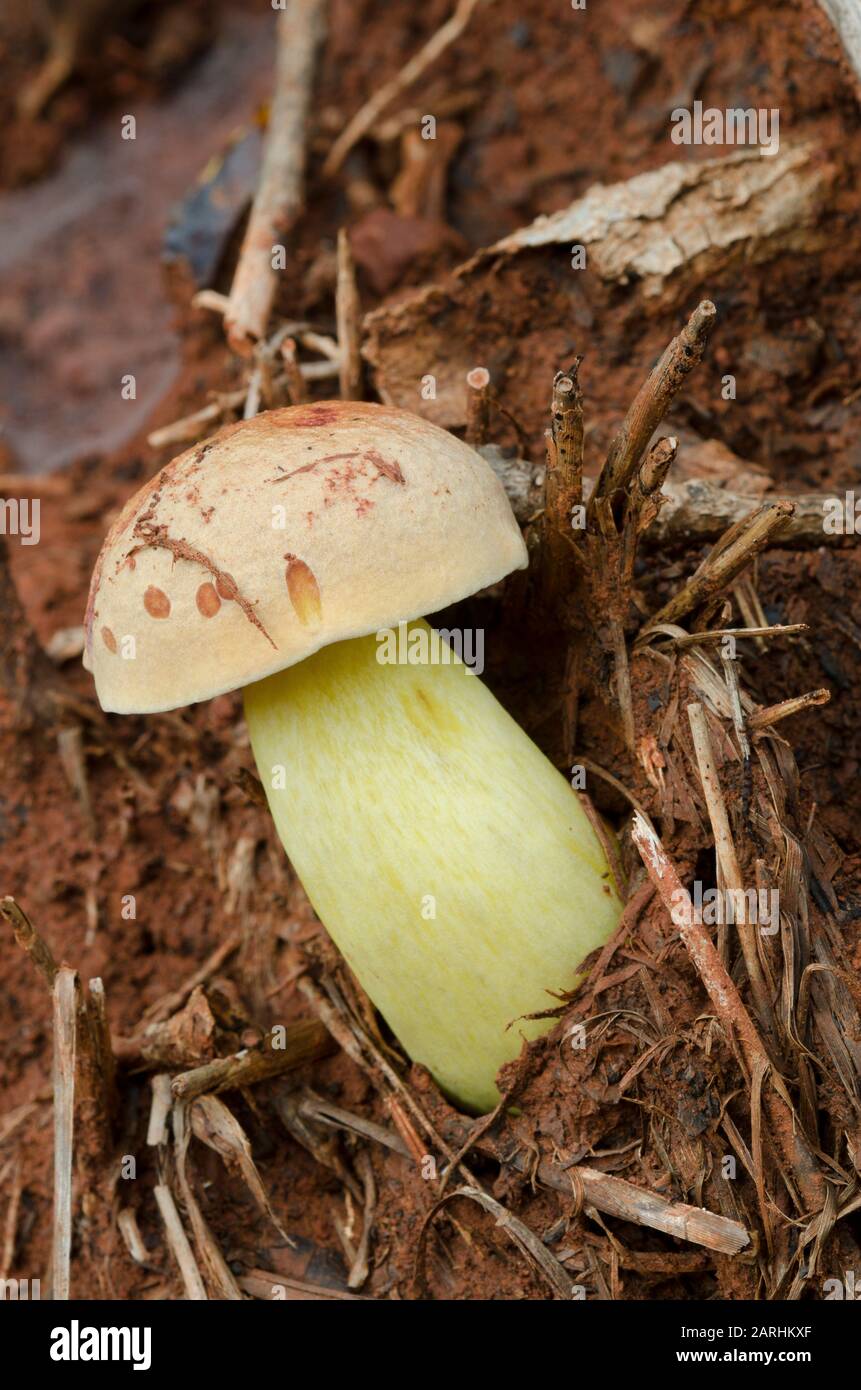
29 940
654 399
617 1197
306 1040
772 714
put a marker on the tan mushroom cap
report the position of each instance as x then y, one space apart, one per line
282 534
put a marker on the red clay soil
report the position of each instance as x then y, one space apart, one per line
540 118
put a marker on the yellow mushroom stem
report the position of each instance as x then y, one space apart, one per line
451 863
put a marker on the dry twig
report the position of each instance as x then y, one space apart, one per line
195 1290
348 319
306 1040
728 558
66 1004
368 115
280 195
654 399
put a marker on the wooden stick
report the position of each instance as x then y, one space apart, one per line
293 372
160 1108
564 482
725 561
656 465
616 1197
477 407
359 1271
29 940
654 399
348 318
644 502
262 1283
563 488
306 1040
221 1279
731 1012
179 1244
368 115
66 1001
772 714
717 634
624 693
323 1112
127 1224
103 1053
280 195
726 853
698 510
10 1222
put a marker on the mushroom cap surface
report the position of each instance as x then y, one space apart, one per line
283 533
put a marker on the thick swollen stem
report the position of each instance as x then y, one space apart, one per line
451 863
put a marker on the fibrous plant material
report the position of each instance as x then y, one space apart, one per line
726 852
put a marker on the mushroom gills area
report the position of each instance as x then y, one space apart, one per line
450 862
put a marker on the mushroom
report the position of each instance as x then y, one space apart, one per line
291 555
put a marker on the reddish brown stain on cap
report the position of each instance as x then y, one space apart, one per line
208 602
109 639
156 602
314 415
304 591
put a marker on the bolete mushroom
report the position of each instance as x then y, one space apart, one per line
452 864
